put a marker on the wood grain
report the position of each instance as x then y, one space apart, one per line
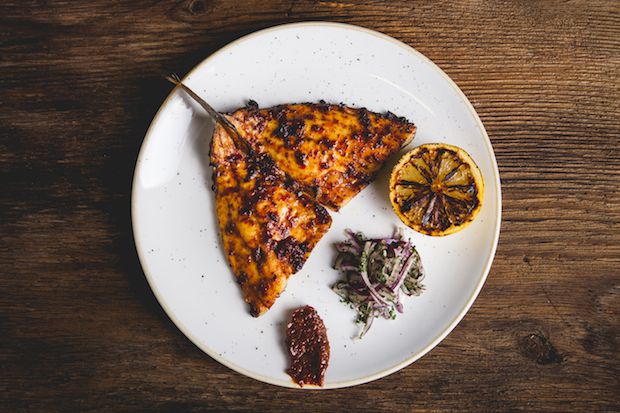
81 331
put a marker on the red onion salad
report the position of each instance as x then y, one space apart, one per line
376 271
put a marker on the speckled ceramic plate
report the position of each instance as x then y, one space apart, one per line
175 226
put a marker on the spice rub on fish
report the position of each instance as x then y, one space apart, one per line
267 224
334 151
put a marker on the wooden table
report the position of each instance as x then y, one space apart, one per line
80 329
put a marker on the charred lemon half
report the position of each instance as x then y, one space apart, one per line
436 189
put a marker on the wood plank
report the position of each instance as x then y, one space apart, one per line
81 330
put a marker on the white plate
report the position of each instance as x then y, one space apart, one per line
175 227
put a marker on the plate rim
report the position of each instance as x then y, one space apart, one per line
347 383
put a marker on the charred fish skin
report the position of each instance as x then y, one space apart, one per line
333 151
267 225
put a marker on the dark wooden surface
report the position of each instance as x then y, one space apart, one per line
81 331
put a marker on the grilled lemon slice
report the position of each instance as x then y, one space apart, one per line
436 189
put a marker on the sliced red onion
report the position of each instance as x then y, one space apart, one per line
404 271
353 238
373 287
347 248
369 320
396 271
364 274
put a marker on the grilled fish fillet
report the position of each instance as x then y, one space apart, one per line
268 225
334 151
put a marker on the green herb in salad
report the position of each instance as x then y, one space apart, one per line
376 271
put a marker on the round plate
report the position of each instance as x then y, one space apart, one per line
176 231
